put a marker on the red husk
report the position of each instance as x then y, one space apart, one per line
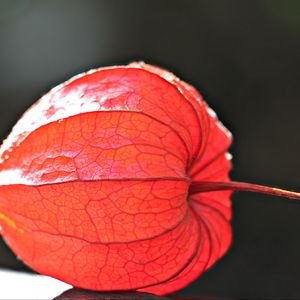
118 180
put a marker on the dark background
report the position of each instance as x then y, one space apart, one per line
244 58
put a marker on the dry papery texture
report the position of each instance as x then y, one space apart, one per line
96 182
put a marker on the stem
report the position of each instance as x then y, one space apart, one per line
204 186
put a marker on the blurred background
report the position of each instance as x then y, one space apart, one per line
244 58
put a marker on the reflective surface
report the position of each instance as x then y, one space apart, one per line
76 294
19 285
